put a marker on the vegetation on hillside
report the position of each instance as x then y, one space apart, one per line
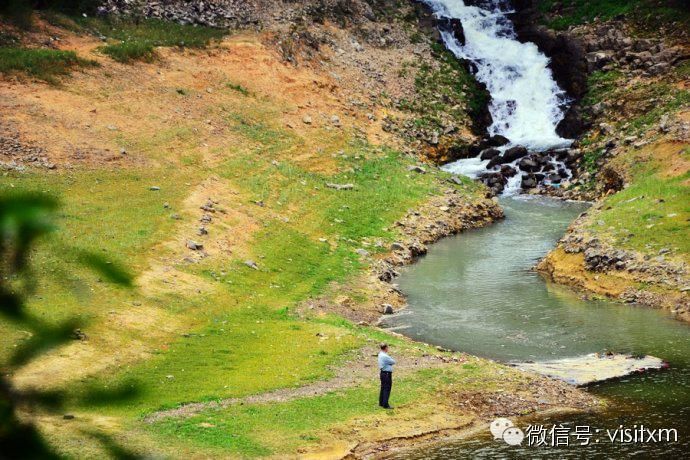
647 14
25 219
44 64
448 89
652 213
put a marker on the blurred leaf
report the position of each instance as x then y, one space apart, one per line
123 392
23 218
44 339
114 449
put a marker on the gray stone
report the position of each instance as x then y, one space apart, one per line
251 264
417 169
194 246
340 186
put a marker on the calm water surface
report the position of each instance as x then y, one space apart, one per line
476 293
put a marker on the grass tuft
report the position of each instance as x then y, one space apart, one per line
138 40
130 51
44 64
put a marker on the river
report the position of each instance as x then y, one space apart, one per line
477 293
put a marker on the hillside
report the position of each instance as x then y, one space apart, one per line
262 184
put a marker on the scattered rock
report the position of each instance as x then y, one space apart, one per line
340 186
251 264
194 246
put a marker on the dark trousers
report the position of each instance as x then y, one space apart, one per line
386 385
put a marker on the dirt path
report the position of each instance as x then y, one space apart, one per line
359 368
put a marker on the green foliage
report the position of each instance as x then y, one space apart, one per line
24 219
590 159
137 40
45 64
18 12
446 88
130 51
651 213
239 88
648 14
601 84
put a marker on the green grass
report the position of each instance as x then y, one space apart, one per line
650 214
128 51
647 14
248 350
239 88
44 64
111 213
253 430
241 335
130 40
137 40
249 324
449 88
601 84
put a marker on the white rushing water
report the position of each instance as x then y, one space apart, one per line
527 103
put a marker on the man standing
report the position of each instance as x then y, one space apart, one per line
386 366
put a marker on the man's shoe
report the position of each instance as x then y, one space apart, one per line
387 407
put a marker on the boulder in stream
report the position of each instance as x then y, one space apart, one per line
514 153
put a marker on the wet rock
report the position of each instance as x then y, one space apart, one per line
489 153
495 141
387 309
495 161
452 26
514 153
508 171
528 182
595 367
529 165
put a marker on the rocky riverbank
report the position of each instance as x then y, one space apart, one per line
441 216
633 149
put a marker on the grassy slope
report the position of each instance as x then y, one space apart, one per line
240 337
652 212
647 14
264 429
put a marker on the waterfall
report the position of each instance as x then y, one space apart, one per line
526 102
